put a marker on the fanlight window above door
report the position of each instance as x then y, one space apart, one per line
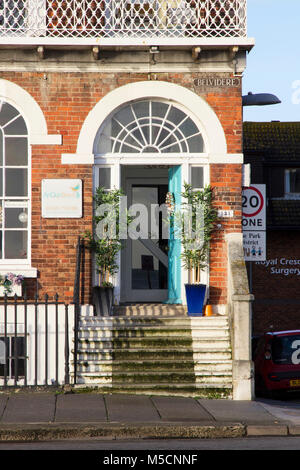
149 127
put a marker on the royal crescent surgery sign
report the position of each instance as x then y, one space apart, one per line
217 82
283 266
61 198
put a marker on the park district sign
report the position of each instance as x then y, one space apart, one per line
254 222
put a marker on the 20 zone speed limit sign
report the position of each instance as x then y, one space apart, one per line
254 207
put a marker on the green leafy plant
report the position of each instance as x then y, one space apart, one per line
195 254
104 241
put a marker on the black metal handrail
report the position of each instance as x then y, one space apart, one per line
76 297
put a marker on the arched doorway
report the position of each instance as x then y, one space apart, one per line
151 127
156 131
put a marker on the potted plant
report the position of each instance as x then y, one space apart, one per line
196 229
105 244
11 284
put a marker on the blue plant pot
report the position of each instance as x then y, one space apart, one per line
195 296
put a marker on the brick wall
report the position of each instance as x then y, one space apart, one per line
66 99
226 181
276 284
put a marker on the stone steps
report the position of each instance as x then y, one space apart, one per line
161 350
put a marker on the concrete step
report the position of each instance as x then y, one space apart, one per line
207 354
146 322
175 342
149 309
156 378
138 332
185 390
161 389
142 366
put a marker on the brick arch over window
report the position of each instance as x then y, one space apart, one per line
31 112
212 130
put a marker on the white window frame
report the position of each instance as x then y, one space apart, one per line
162 123
287 184
14 264
97 167
205 174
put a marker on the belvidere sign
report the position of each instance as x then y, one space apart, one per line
61 198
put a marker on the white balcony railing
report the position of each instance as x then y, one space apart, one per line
29 21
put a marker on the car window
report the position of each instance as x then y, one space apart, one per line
286 349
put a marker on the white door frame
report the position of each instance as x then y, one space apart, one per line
116 162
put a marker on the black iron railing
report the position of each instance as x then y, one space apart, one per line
35 341
78 291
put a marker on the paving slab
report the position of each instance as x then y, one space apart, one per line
294 430
284 411
238 410
3 402
130 408
29 408
181 409
75 408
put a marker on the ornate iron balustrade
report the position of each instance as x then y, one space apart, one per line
120 19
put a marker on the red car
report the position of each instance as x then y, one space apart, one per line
277 362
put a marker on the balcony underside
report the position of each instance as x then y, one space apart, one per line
126 43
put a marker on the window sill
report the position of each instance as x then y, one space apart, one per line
26 271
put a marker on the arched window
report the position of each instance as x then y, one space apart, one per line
14 197
149 126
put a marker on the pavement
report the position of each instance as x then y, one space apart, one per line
44 416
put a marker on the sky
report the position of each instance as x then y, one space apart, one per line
273 65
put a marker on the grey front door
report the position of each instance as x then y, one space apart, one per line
145 260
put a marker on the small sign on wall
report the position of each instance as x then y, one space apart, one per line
254 245
61 198
254 222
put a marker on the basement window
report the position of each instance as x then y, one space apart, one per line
12 356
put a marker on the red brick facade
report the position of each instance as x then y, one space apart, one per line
276 284
66 99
